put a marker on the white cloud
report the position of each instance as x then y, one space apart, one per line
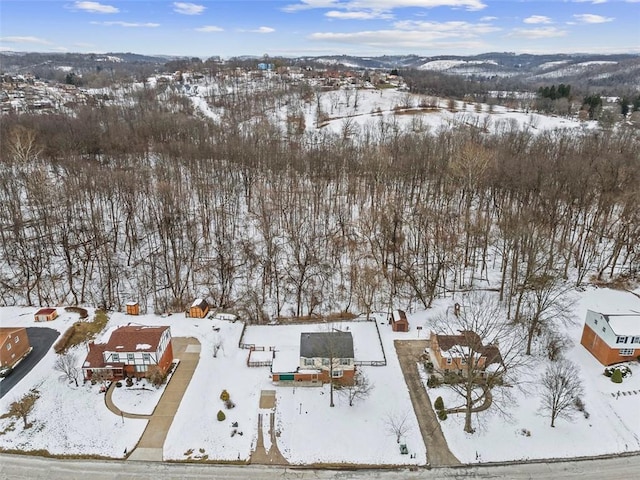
210 28
535 19
262 30
590 18
488 19
128 24
383 5
595 2
185 8
27 39
537 33
94 7
415 34
358 15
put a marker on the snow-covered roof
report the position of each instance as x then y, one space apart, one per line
196 302
624 324
285 360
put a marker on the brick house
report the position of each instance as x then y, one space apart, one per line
450 353
131 351
14 344
323 356
613 337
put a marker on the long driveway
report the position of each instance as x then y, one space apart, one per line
438 453
40 339
149 448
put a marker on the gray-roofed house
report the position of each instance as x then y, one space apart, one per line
323 356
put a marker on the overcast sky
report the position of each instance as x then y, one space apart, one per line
318 27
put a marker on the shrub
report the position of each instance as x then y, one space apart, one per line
579 404
433 381
129 382
608 371
229 404
221 416
439 404
442 414
118 384
429 366
224 396
616 377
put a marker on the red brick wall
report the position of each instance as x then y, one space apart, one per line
599 348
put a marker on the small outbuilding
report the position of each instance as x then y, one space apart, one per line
133 308
46 314
399 322
199 308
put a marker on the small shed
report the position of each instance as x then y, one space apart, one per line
199 308
133 308
46 315
399 322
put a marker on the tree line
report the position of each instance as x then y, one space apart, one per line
146 201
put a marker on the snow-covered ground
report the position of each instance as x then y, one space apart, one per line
73 420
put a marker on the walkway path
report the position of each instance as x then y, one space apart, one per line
260 454
149 448
438 453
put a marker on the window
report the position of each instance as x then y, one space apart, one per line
16 339
131 358
146 358
621 340
115 357
141 368
463 361
325 362
604 329
336 374
595 321
449 361
626 352
308 362
8 346
345 361
635 340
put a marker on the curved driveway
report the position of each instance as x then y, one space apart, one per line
40 339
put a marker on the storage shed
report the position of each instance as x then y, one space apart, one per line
199 308
46 315
399 322
133 308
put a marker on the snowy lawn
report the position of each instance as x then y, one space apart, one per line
522 431
141 398
74 420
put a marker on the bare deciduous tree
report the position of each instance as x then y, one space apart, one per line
487 352
560 387
67 364
22 408
360 389
397 424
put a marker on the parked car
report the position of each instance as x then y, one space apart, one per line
5 371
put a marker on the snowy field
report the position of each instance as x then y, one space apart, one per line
74 420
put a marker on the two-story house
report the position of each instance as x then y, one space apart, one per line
323 357
131 351
613 337
14 345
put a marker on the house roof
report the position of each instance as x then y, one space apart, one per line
199 302
6 332
135 338
624 323
399 316
326 345
450 345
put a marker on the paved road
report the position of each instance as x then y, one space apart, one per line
438 453
41 339
23 467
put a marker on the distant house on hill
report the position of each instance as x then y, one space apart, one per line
131 351
613 337
46 315
14 344
198 309
324 356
